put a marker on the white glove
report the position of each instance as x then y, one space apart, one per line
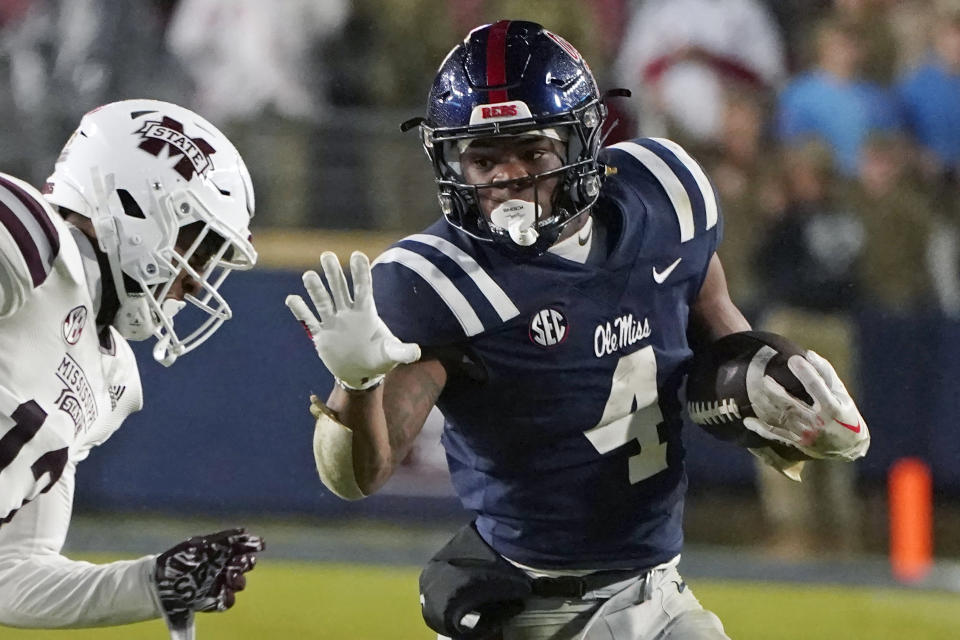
831 427
351 339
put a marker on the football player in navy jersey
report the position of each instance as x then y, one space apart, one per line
546 315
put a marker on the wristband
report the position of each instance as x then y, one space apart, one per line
369 385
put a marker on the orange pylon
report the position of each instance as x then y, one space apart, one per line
911 519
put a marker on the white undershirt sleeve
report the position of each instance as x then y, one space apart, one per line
40 588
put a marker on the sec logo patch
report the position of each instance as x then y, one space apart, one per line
73 324
548 328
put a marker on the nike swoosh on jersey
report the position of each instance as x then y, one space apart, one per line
660 277
854 428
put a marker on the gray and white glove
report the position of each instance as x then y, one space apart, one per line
203 573
831 427
351 339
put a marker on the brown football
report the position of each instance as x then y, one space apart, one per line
717 397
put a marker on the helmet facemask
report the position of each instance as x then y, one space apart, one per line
578 177
179 241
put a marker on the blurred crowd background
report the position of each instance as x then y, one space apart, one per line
830 129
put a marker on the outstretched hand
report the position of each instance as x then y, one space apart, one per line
350 338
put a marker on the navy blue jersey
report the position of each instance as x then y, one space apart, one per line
566 444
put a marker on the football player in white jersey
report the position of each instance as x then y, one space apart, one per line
146 213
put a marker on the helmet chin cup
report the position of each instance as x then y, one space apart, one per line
163 354
517 218
136 320
140 318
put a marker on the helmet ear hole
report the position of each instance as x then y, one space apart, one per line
130 206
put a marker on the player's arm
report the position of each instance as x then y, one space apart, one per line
40 588
386 420
376 408
29 243
14 289
713 314
830 427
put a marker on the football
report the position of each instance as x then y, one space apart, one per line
717 398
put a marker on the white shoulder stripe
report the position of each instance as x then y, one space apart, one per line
668 179
447 291
494 294
709 198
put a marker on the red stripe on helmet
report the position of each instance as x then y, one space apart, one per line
497 61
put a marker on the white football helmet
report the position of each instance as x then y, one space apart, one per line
142 171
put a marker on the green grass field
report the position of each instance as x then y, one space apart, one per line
300 601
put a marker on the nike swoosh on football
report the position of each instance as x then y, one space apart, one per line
855 429
663 275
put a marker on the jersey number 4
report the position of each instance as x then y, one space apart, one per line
633 413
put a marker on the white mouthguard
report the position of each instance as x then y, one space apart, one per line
517 217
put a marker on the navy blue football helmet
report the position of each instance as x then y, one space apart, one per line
506 79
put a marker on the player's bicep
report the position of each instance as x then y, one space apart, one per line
713 314
29 243
14 286
410 392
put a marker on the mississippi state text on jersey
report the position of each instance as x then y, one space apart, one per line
563 423
63 388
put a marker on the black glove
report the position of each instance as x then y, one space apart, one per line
202 573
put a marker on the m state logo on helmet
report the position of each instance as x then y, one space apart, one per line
168 133
512 78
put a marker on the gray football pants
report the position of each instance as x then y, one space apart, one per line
659 608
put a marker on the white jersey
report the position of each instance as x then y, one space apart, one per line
63 390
